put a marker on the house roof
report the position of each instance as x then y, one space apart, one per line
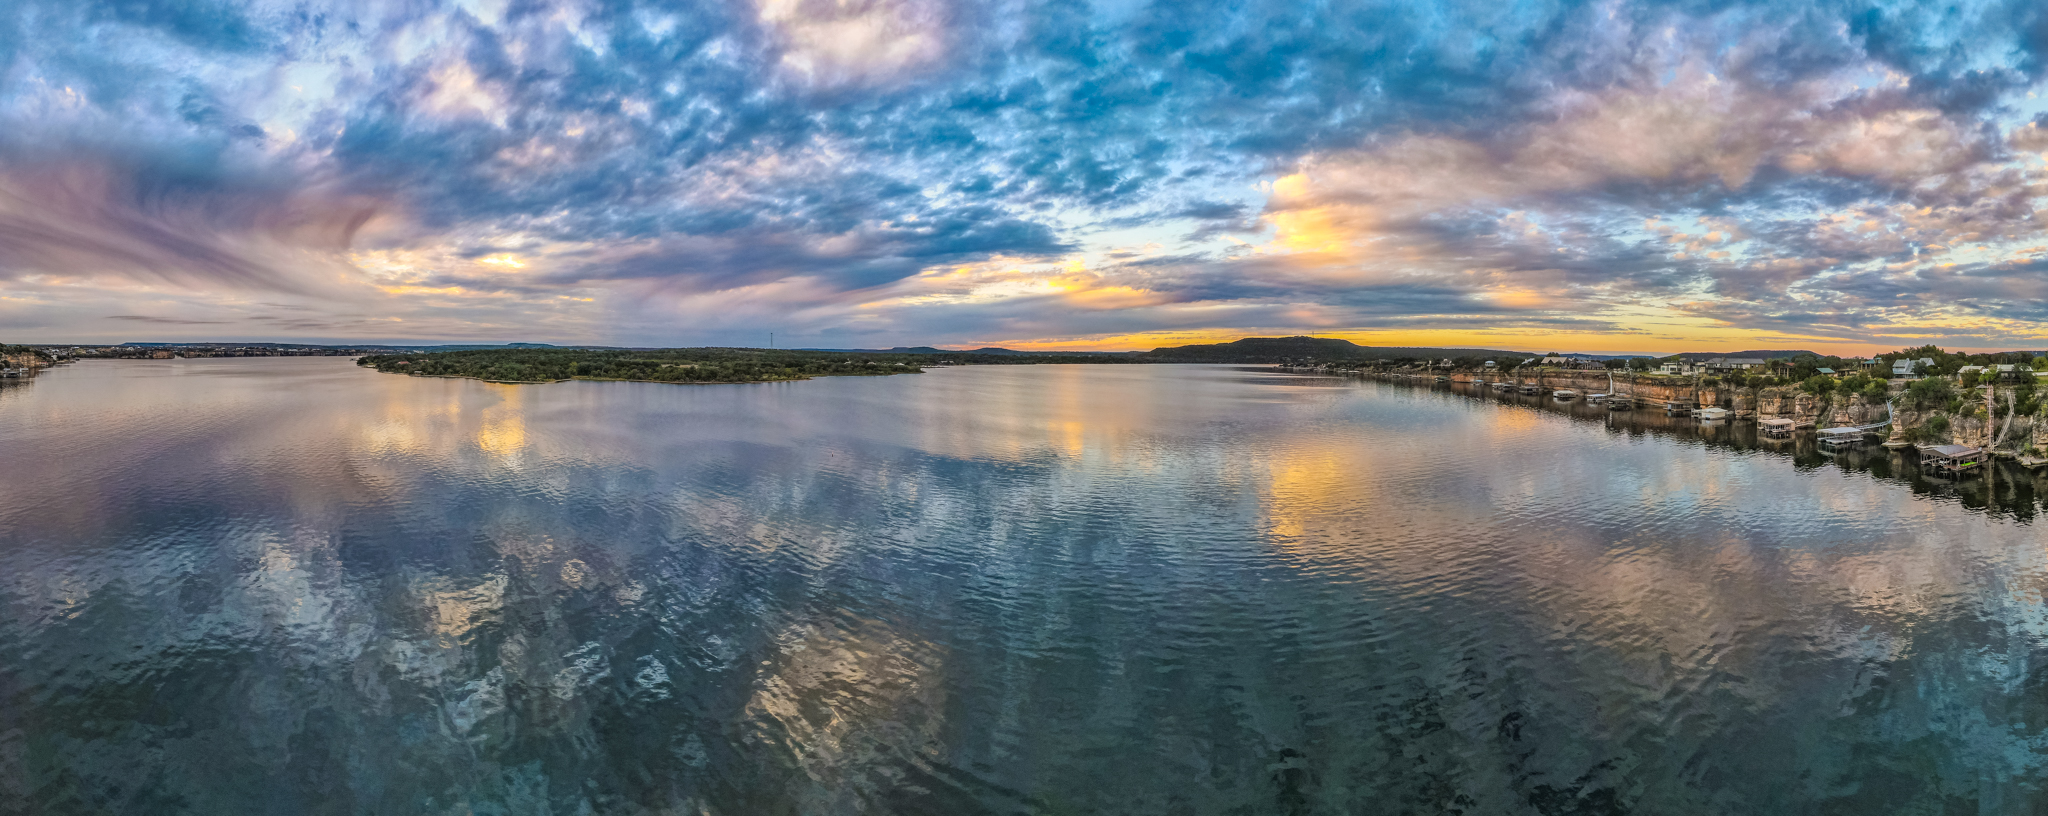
1825 370
1952 450
1776 422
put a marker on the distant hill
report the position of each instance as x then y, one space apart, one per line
985 350
1272 349
1766 354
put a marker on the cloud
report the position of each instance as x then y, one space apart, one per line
830 42
165 321
654 173
96 220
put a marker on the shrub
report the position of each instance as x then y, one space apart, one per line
1929 393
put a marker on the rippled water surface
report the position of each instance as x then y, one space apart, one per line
299 587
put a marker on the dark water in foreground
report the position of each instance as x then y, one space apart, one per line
296 586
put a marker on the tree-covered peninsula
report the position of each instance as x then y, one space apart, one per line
688 365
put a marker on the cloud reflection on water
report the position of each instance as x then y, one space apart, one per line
985 589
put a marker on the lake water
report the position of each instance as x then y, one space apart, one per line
294 586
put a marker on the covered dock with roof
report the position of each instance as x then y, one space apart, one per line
1847 436
1952 460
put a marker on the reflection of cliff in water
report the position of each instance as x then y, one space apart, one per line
2005 488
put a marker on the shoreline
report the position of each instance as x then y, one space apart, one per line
624 380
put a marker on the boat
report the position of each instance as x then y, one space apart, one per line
1597 397
1528 388
1565 394
1712 414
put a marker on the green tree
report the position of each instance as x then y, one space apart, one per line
1929 393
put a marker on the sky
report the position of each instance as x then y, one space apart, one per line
1607 176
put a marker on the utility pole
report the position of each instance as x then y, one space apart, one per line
771 340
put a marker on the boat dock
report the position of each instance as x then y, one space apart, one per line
1834 439
1952 460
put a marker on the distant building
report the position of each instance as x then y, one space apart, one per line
1733 363
1828 371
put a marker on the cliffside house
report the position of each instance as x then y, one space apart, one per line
1911 369
2010 372
1570 361
1734 363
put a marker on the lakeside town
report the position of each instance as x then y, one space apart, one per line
1957 410
23 362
